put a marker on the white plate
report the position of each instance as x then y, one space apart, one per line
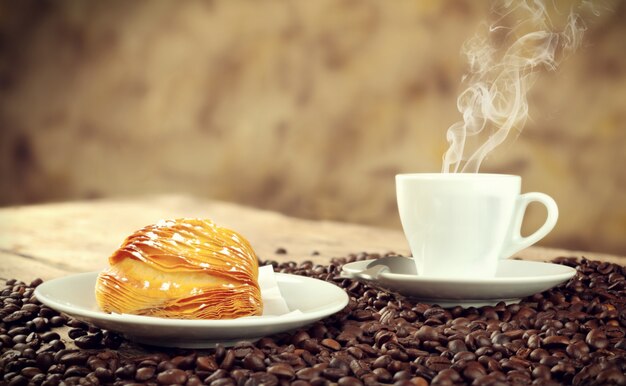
514 280
75 296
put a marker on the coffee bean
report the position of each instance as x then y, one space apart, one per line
426 333
229 360
261 378
349 381
49 336
331 343
75 323
112 340
194 380
74 358
438 363
382 361
18 380
218 374
612 376
103 374
90 341
57 321
206 363
30 372
597 339
282 370
75 371
577 350
254 362
38 323
44 360
555 341
382 375
184 362
74 333
144 373
172 377
456 346
447 376
126 372
474 370
18 331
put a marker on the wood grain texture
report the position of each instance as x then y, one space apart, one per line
53 240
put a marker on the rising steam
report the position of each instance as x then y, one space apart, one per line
502 63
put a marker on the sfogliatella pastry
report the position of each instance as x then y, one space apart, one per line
184 269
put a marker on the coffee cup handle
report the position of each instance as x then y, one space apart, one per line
516 241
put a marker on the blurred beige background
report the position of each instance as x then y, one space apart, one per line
305 107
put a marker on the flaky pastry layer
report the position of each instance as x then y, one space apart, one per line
185 269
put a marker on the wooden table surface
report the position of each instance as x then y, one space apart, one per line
57 239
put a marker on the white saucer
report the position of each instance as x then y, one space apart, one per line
315 299
514 280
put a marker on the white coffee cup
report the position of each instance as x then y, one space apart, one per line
461 224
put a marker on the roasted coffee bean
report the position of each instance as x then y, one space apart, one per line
144 373
282 370
474 370
74 333
103 374
53 345
90 341
331 344
18 331
184 362
194 380
218 374
426 333
49 336
456 346
555 341
577 350
172 377
30 372
75 323
18 380
126 372
597 339
447 376
206 363
254 362
112 340
382 361
75 371
229 360
38 379
165 365
57 320
261 378
74 358
382 375
438 363
44 360
39 324
349 381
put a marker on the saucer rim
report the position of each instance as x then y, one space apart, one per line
568 272
130 319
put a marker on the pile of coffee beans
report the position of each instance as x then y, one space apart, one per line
571 334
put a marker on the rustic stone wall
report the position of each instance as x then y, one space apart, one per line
305 107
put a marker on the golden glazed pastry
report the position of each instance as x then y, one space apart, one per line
185 269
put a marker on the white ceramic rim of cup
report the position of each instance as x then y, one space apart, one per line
455 176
